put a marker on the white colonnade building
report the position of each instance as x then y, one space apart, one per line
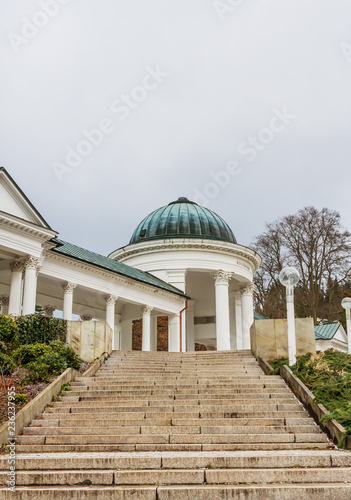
182 262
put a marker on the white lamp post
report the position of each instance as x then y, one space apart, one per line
289 277
346 304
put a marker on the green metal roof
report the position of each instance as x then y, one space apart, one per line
103 262
183 219
260 316
326 332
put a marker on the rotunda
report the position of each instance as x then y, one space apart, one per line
195 250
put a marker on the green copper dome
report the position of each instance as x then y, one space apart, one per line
183 219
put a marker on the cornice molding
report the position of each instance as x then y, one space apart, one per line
21 225
193 245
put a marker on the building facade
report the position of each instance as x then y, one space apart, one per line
183 261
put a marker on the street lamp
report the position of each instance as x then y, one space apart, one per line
289 277
346 304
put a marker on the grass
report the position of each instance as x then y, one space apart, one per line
328 375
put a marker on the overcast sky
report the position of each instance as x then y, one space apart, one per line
182 90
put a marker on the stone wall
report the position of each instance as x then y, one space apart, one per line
89 339
269 337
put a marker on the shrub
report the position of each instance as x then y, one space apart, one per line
20 398
8 334
28 353
72 359
328 375
44 361
36 328
7 364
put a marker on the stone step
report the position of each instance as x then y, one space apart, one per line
112 422
96 390
168 437
209 460
167 447
179 476
52 414
170 429
287 410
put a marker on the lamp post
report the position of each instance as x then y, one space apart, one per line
346 304
289 277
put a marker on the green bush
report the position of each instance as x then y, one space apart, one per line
8 334
328 375
20 398
45 361
72 359
36 328
7 364
45 367
28 353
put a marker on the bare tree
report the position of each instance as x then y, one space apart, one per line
315 242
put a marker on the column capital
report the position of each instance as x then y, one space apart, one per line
49 310
5 300
86 317
17 266
111 300
31 263
147 310
247 289
68 287
222 278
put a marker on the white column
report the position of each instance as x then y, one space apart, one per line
174 333
116 339
238 322
16 288
190 327
146 331
68 289
31 266
222 310
110 310
247 313
5 304
110 320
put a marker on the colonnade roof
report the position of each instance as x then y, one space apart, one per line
78 253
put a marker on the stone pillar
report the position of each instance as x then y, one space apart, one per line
5 300
238 322
174 333
49 311
247 313
16 288
222 310
31 267
146 332
68 289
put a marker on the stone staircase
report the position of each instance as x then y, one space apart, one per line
204 425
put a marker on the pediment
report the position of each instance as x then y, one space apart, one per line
14 202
